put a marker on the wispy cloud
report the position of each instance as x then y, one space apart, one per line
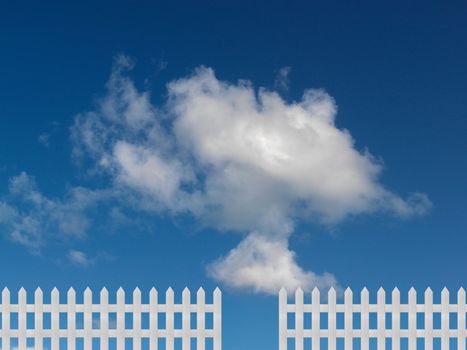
282 81
30 218
80 258
236 159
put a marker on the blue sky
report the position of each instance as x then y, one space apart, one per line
187 163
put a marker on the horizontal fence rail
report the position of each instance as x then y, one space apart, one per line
340 324
96 321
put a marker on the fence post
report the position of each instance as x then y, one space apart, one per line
282 319
299 319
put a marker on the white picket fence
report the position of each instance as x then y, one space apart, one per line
105 330
377 334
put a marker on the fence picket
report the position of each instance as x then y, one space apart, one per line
315 319
396 319
332 319
186 296
461 318
153 326
299 319
22 319
217 304
71 319
54 316
412 319
137 319
200 318
428 319
104 319
365 318
348 314
444 319
5 319
169 318
381 337
120 319
282 319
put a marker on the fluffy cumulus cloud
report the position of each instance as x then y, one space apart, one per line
236 159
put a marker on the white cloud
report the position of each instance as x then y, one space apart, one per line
237 159
30 218
44 139
80 258
282 80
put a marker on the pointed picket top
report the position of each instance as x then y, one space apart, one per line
396 296
22 296
55 293
365 293
153 295
299 294
186 296
348 295
428 294
38 293
5 292
200 292
71 293
104 293
461 296
315 292
137 293
381 295
217 294
169 296
412 296
87 293
445 296
283 295
120 296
